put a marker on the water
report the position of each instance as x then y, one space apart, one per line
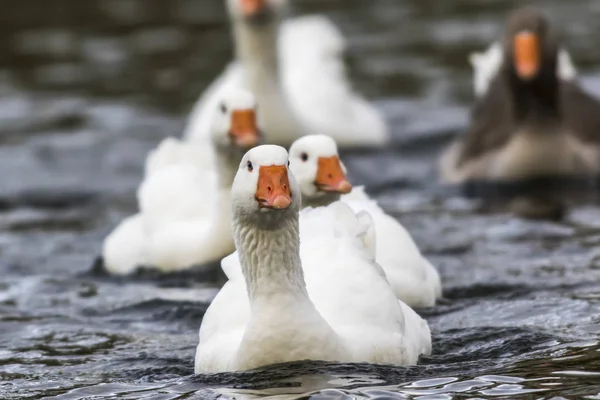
86 89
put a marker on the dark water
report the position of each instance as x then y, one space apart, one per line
87 88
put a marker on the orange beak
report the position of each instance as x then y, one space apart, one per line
253 7
244 131
331 177
526 48
273 189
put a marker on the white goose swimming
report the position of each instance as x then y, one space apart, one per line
295 70
315 163
322 300
185 211
486 65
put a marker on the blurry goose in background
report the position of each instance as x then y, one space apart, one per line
486 65
529 123
295 70
323 300
185 211
316 84
315 163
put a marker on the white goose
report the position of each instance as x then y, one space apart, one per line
185 210
487 63
296 72
323 300
315 163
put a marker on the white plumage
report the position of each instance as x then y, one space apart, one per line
347 313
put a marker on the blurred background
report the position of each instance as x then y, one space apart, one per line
88 87
164 53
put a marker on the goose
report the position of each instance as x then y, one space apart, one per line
295 70
185 211
315 163
296 301
486 65
530 123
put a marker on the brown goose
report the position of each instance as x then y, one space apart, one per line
530 123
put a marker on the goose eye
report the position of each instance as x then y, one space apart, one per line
288 164
304 157
250 166
223 108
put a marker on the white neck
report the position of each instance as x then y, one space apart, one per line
227 160
318 201
269 253
284 323
256 49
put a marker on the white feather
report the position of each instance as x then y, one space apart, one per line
344 284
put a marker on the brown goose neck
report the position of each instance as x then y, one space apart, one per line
538 99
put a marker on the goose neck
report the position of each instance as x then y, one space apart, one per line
227 160
537 101
269 252
537 104
320 201
256 47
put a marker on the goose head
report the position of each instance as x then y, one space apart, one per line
235 124
530 67
530 45
316 165
263 187
256 12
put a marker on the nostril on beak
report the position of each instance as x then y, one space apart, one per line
269 189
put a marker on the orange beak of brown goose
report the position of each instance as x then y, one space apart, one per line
253 7
331 177
244 131
527 57
273 188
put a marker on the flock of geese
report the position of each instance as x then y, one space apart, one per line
316 269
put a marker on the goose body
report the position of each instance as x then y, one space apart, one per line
173 151
184 226
295 69
394 334
184 199
413 278
316 296
124 248
314 160
534 120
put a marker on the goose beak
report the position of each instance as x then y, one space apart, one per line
273 189
244 132
331 177
253 7
526 48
